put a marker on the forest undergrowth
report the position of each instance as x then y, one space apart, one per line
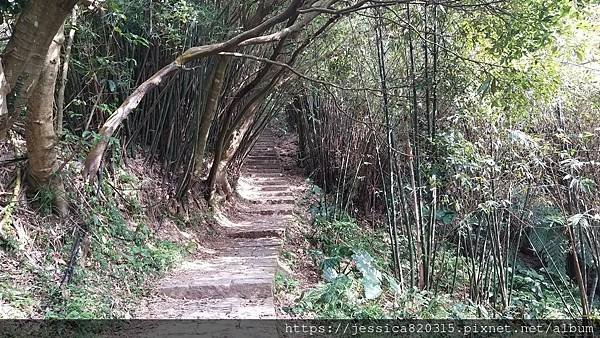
120 236
339 267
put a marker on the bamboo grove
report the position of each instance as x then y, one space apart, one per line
466 129
478 190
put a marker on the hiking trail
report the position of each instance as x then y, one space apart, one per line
237 281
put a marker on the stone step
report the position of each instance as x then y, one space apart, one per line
260 179
238 272
269 212
282 200
225 308
277 194
255 174
265 209
256 233
263 163
265 229
249 164
266 151
276 188
243 285
250 243
263 166
277 222
250 252
263 170
268 182
263 157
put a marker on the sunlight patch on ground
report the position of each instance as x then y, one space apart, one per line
227 223
247 189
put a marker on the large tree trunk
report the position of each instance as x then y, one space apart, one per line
27 49
212 106
40 135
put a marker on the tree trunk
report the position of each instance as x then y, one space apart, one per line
218 180
4 90
40 135
26 52
60 100
212 106
300 128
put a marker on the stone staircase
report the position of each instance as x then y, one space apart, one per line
238 281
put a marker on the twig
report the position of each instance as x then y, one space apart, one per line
296 72
13 160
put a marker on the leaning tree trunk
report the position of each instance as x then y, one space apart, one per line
207 117
218 180
27 49
229 143
39 133
230 140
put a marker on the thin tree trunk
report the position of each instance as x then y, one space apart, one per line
301 122
4 90
60 100
212 106
391 210
40 135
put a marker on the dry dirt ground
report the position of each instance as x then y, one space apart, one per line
235 279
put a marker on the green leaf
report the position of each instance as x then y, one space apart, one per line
371 276
112 86
485 86
329 266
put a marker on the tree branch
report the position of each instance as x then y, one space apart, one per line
249 37
296 72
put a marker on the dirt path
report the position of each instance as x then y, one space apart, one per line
237 281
